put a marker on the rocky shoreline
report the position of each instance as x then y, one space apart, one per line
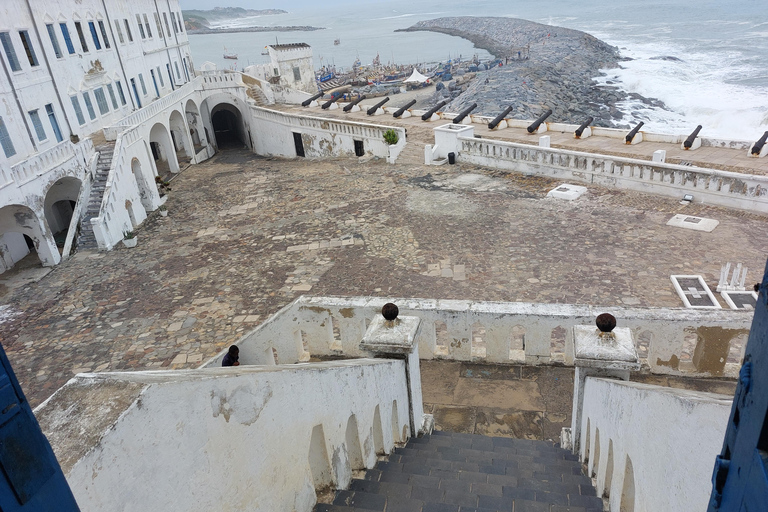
542 67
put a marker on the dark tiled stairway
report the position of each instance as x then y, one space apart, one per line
448 472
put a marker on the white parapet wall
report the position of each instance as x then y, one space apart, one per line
722 188
651 447
669 341
262 439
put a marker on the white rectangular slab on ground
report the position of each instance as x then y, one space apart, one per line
567 191
690 222
694 292
740 300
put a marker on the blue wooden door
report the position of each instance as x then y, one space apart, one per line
740 478
30 477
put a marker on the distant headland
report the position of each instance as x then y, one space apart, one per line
539 67
196 19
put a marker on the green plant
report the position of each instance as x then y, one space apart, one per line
162 208
390 137
129 234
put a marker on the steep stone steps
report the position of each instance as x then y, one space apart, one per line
448 472
86 239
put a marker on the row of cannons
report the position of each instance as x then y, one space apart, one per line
634 136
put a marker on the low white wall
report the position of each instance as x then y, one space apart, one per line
670 341
732 190
670 436
273 135
228 438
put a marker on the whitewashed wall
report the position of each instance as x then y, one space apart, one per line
670 341
224 439
670 436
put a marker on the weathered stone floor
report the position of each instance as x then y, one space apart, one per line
245 235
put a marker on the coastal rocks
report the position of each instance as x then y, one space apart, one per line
538 67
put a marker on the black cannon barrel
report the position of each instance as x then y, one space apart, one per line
306 102
377 106
434 109
689 141
349 106
331 101
583 127
758 147
499 118
631 135
541 119
464 113
402 109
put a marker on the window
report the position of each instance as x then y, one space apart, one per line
95 37
146 24
181 22
5 37
175 21
27 43
159 27
143 87
120 91
5 140
89 105
128 30
78 110
296 75
81 36
167 26
141 27
119 31
35 117
54 122
54 40
101 101
67 39
176 65
112 96
160 76
104 34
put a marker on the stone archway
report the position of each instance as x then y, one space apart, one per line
145 193
18 226
180 138
163 152
60 201
228 129
196 129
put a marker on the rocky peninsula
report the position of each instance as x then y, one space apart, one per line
538 67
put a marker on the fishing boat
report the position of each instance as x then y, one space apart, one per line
229 55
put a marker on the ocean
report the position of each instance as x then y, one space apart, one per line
706 60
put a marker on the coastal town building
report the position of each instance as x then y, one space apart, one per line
102 102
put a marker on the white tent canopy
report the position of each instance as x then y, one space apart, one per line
416 77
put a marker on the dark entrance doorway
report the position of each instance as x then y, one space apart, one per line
299 144
359 148
226 127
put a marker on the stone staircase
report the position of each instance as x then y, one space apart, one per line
448 472
86 239
257 95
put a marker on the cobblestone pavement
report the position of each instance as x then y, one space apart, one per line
245 235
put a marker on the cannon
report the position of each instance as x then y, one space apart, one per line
331 101
499 118
349 106
580 130
631 135
402 109
433 110
306 102
377 106
758 147
464 113
692 137
541 119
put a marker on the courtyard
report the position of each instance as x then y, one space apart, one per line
245 235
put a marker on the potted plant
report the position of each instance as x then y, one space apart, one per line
163 210
391 138
129 239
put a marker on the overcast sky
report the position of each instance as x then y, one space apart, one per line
262 4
